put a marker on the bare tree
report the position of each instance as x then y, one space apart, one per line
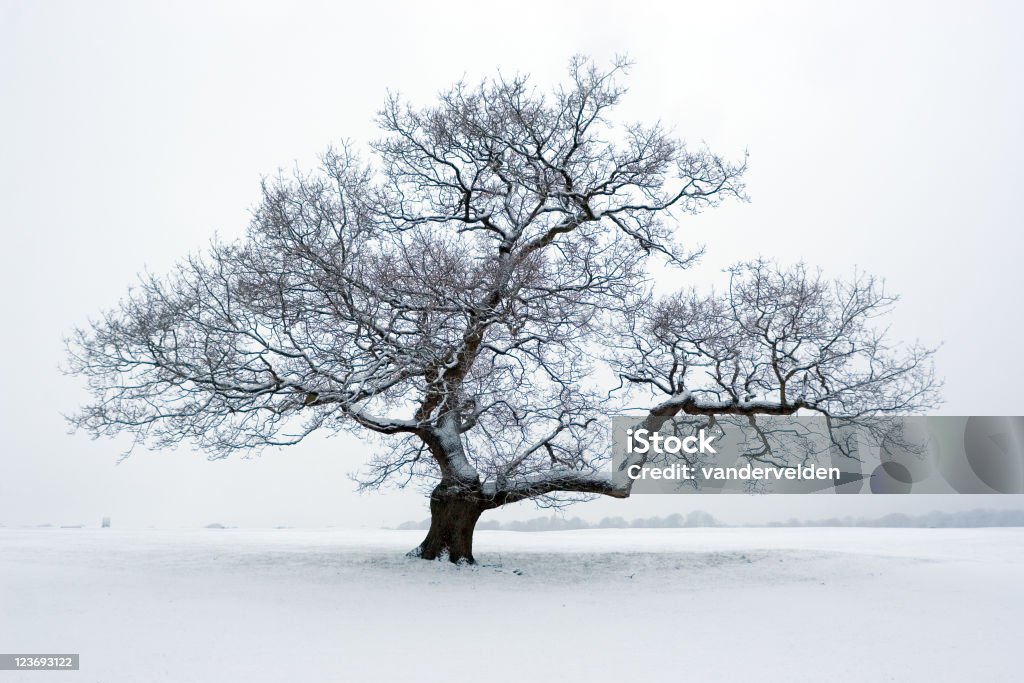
447 296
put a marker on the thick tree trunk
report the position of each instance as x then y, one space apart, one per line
453 516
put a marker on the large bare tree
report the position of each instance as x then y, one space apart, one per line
451 294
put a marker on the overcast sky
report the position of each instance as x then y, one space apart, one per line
885 136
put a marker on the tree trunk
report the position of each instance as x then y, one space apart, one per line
453 516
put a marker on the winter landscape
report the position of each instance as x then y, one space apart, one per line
743 604
311 309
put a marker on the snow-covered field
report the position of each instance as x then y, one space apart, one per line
597 605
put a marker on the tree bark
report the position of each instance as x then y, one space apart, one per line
453 516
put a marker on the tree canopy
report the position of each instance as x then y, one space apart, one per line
456 288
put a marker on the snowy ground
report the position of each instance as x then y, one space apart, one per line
597 605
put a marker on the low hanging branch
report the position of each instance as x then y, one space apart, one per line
779 342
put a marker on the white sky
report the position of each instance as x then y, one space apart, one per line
882 135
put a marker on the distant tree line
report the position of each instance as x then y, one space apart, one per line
935 519
698 518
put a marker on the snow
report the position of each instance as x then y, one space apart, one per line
802 604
